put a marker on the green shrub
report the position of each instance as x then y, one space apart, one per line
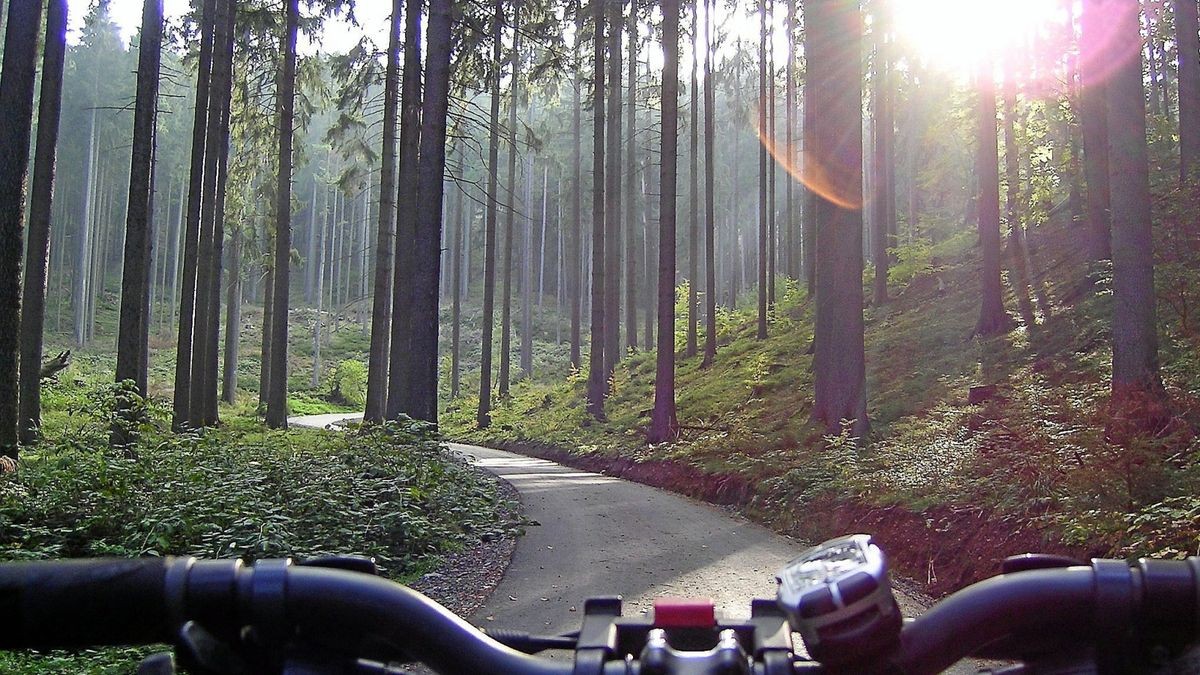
912 260
393 493
348 383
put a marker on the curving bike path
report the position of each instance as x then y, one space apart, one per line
599 535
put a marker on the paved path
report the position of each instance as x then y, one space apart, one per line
598 535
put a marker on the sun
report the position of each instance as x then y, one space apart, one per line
957 35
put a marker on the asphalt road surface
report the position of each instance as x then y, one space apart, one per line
597 535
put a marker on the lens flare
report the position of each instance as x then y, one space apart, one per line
831 180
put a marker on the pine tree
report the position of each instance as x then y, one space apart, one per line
833 33
385 238
33 314
277 406
664 424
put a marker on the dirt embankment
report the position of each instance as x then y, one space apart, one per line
942 549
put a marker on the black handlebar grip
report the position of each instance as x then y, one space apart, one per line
77 603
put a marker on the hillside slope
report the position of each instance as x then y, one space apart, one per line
948 484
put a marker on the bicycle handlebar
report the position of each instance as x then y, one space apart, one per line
146 601
78 603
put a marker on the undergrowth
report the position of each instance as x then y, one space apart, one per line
393 494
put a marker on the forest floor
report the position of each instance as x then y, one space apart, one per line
948 484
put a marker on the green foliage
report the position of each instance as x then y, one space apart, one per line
348 383
393 493
912 259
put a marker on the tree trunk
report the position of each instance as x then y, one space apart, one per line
264 367
33 315
206 324
139 229
82 274
694 186
483 417
834 33
597 382
1135 338
792 265
575 234
710 213
631 275
191 234
772 165
1187 40
664 424
385 242
883 207
16 120
649 260
527 294
762 175
277 405
511 214
612 194
233 320
808 203
431 188
1094 120
404 276
1018 276
993 320
460 225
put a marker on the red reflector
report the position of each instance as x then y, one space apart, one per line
684 613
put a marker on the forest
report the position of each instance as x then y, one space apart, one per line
926 268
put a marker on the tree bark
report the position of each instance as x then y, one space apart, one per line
33 314
400 369
694 187
277 405
511 213
883 207
808 199
1094 120
664 424
264 368
82 274
191 234
385 241
1135 337
16 119
710 213
631 275
762 175
1187 40
792 264
460 225
612 194
772 164
483 414
597 382
834 33
575 234
993 320
203 397
527 293
233 319
132 348
430 189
